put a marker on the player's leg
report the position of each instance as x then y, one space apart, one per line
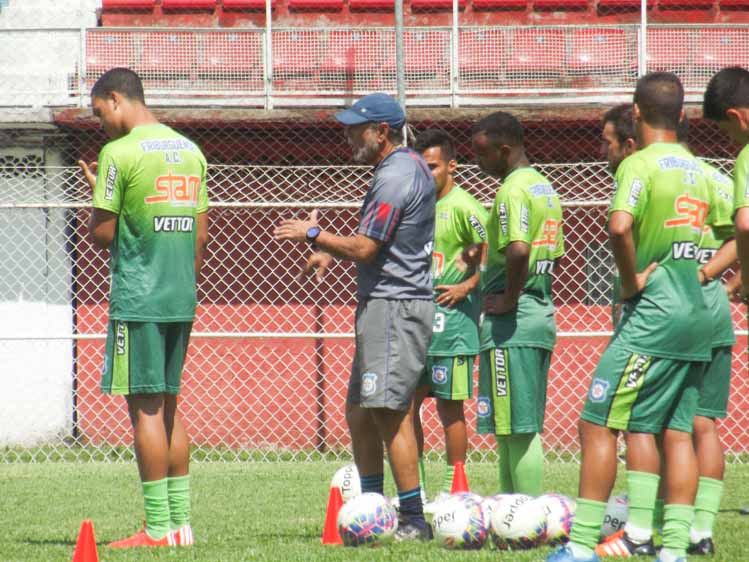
366 444
419 396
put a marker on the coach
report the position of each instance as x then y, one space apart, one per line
392 249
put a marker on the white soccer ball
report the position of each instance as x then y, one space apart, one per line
347 480
489 504
617 511
368 519
560 512
518 523
458 522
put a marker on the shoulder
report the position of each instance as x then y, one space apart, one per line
743 157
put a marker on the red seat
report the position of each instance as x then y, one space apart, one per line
168 54
232 57
316 4
435 4
623 4
295 56
360 58
482 55
535 53
188 4
667 51
427 54
601 51
246 4
560 4
109 49
371 4
127 4
734 4
717 48
686 4
500 4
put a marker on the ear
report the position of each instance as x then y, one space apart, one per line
116 99
452 165
382 132
738 117
636 115
629 146
505 150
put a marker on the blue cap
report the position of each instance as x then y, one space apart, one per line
374 108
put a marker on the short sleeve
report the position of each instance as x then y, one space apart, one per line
741 179
720 217
473 224
514 217
383 206
203 192
630 193
110 182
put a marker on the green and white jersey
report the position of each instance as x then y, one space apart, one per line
665 190
713 237
459 222
741 180
154 179
526 209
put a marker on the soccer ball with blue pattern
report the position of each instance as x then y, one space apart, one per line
560 513
368 519
459 522
518 523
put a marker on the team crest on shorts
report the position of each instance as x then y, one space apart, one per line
368 384
439 374
483 407
598 390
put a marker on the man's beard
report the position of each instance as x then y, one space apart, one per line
367 153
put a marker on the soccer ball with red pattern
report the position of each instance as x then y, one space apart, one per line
368 519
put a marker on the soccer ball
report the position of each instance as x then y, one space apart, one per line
489 504
560 512
347 480
458 522
518 523
617 511
367 519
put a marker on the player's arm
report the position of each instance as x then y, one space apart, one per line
724 258
742 247
450 295
201 242
102 227
623 248
107 189
517 256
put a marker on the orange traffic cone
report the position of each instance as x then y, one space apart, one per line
460 482
330 534
85 548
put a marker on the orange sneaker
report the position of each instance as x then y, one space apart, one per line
141 538
183 536
619 544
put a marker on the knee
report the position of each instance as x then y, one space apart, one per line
704 426
450 411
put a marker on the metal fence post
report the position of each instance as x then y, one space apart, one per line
268 55
642 53
454 58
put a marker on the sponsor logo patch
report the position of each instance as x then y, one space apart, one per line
121 338
173 224
368 384
439 374
176 190
483 407
477 226
598 390
638 370
524 218
500 366
111 179
634 193
503 218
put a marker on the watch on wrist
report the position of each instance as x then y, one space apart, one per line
312 233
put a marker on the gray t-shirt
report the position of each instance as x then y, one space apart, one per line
398 210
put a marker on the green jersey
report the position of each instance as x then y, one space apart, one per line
459 222
713 237
741 179
154 179
665 190
526 209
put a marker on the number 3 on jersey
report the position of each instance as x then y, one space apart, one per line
439 322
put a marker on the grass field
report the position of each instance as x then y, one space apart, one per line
251 511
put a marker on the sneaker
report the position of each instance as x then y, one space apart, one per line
619 544
431 507
564 554
141 538
183 536
677 560
705 547
408 531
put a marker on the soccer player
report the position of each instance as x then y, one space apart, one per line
150 208
618 135
524 241
448 376
648 378
392 249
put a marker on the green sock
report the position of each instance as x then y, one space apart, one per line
642 491
658 514
422 476
706 505
179 501
676 524
526 463
586 530
156 500
505 472
447 479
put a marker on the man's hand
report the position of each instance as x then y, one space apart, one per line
295 230
89 172
641 280
318 262
497 304
468 258
452 294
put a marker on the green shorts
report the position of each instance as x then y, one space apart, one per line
144 357
716 385
512 390
644 394
449 378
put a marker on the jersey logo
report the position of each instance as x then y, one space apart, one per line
690 211
173 224
598 390
175 189
438 264
550 232
500 366
439 374
477 226
111 179
369 384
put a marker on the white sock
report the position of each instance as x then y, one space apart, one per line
638 534
696 536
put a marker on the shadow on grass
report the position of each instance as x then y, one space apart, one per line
48 542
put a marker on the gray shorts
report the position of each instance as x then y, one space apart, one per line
392 337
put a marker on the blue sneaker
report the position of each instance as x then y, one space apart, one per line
564 554
677 560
